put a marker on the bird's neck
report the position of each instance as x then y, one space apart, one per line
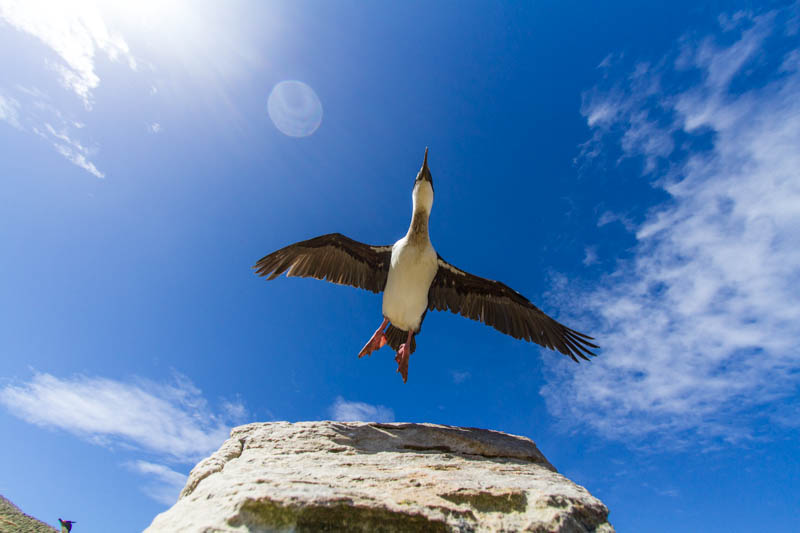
418 230
422 202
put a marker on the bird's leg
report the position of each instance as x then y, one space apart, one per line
377 341
402 357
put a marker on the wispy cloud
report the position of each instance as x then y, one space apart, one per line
77 157
172 420
75 31
700 329
590 255
40 117
346 411
75 37
165 484
70 148
9 110
460 376
608 217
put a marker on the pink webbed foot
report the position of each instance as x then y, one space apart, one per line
377 341
402 357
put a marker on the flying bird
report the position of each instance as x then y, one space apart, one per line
415 279
66 525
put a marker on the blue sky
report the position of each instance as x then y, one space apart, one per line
632 169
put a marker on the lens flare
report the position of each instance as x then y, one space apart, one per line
294 108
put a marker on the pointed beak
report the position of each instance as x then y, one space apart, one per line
425 172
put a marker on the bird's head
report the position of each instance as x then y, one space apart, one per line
423 187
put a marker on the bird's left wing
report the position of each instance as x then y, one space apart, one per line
333 258
503 308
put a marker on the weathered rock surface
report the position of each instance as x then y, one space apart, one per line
354 476
12 520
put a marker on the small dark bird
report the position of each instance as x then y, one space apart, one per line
415 279
66 525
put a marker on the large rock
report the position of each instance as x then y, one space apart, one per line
12 520
353 476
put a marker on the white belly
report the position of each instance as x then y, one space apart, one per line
411 272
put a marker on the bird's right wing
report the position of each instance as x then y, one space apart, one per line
498 305
333 258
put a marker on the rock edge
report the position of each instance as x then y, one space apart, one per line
356 476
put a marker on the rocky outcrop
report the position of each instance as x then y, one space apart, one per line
353 476
12 520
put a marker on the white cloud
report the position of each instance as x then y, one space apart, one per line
75 31
606 61
643 135
9 110
345 411
590 255
79 159
608 217
70 148
720 64
700 329
38 117
460 377
235 411
166 483
172 420
170 37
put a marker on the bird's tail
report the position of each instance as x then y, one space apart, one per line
395 337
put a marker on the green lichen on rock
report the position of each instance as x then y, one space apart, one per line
12 520
340 516
283 477
488 502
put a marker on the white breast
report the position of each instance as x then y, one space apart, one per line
411 272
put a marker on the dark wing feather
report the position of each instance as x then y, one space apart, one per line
503 308
333 258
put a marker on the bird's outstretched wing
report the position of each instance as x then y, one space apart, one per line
503 308
333 258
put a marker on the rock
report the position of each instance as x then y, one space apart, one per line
12 520
354 476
